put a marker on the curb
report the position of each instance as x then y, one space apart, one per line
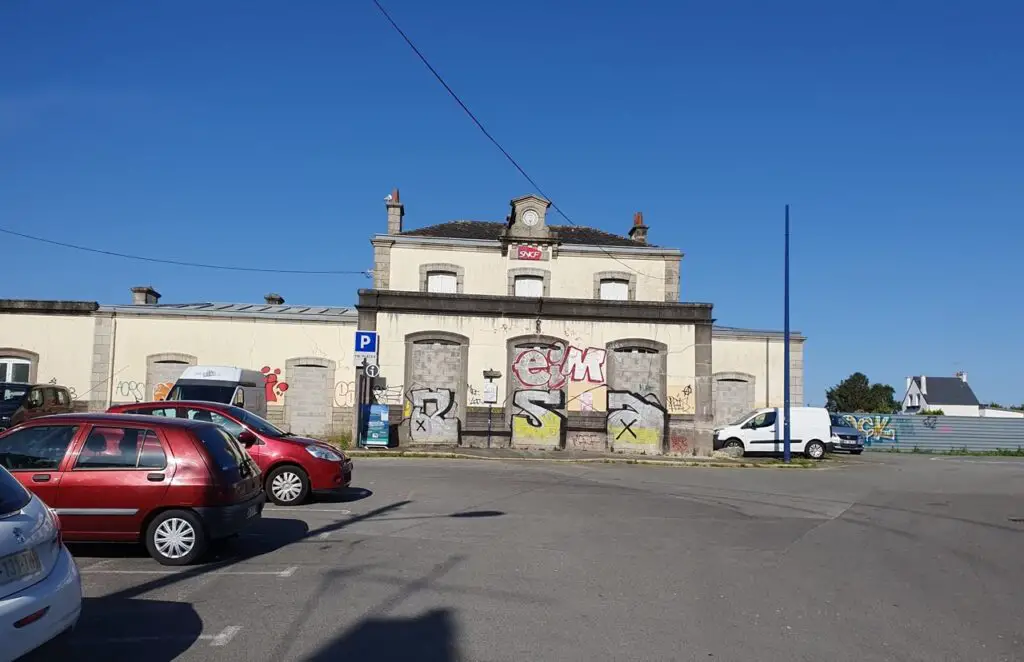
715 464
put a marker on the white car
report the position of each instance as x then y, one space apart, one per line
40 589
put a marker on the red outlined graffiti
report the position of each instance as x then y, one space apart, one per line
272 383
556 366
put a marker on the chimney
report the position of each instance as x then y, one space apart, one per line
396 210
962 375
924 385
144 294
273 299
638 232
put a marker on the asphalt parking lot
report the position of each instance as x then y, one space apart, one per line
883 557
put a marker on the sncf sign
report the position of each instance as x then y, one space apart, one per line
529 253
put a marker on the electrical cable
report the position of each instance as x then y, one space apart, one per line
179 263
493 140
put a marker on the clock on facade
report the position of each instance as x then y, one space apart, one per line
530 218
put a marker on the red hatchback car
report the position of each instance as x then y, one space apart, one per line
174 484
292 466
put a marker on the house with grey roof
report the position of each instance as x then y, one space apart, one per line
953 395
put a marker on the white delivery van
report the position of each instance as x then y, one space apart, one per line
760 431
214 383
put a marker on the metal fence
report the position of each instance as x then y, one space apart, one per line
938 433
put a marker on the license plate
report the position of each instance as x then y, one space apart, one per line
249 514
18 566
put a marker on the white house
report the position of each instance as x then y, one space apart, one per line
950 394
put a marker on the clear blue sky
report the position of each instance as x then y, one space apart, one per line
269 132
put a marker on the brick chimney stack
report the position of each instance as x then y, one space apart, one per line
144 294
273 299
396 210
638 232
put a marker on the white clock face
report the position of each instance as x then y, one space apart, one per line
530 217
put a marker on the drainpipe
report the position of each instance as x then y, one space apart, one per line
767 372
113 355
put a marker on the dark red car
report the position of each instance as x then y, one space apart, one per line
174 484
292 466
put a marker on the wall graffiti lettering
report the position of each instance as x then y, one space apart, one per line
273 383
931 422
680 400
162 390
678 443
555 366
345 394
635 422
536 420
131 389
876 428
433 418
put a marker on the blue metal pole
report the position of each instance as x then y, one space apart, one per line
785 355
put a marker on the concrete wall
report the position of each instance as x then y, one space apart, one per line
570 272
60 347
761 357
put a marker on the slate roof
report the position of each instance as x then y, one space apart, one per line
284 311
947 391
491 230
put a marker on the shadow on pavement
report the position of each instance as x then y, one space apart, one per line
342 496
426 638
113 628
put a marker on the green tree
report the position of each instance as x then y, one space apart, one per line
856 394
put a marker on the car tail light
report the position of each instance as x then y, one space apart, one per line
58 538
31 618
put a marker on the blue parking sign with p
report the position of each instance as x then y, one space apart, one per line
366 342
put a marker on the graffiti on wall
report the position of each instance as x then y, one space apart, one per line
558 365
433 416
130 389
680 399
162 390
876 428
536 420
635 421
345 394
273 383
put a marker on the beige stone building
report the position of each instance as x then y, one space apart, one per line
586 327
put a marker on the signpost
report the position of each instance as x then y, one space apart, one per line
785 358
490 397
366 347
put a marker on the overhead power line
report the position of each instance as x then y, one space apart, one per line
179 263
491 138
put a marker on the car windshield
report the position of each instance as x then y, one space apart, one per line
13 392
743 417
13 496
257 423
203 392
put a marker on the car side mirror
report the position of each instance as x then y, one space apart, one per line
247 438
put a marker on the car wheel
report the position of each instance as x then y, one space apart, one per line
176 537
734 443
815 450
287 485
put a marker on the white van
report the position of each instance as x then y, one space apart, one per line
226 384
760 431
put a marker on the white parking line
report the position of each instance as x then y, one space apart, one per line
293 509
222 638
287 572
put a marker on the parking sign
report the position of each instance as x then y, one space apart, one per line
366 345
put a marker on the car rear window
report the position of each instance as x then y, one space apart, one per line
226 453
13 497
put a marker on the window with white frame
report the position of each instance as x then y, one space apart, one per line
529 286
445 282
614 289
14 369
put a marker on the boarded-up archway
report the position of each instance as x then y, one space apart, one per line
162 370
733 395
310 398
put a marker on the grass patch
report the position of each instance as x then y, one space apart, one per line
341 441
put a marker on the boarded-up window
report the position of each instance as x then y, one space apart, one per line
529 286
613 289
442 281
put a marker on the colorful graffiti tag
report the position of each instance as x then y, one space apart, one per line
876 428
536 420
433 418
635 422
555 366
272 383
